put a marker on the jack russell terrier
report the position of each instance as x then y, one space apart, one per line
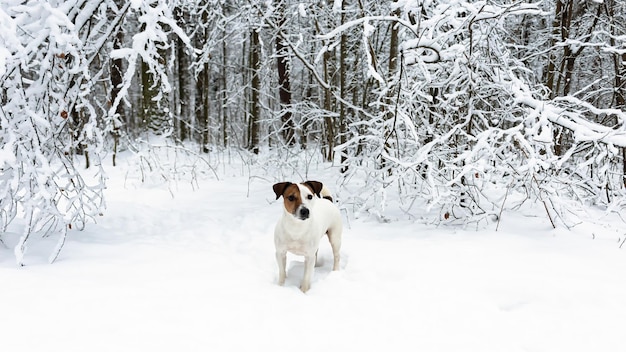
309 213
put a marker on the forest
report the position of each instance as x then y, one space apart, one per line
461 108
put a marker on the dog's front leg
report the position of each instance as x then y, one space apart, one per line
281 259
309 266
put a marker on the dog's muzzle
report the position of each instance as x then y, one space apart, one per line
302 213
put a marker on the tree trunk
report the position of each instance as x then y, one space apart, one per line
284 89
153 116
391 87
343 91
182 107
116 84
393 48
570 55
619 60
329 122
146 93
327 98
619 65
551 69
206 109
223 95
255 86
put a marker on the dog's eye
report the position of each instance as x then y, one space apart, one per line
310 196
291 198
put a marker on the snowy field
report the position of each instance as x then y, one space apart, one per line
196 272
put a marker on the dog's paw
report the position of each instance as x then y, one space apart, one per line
305 287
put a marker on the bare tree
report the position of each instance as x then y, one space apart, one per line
343 88
615 12
284 71
254 63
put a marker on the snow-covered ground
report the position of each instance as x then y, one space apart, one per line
196 272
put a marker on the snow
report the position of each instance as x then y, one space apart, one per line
4 53
196 272
302 10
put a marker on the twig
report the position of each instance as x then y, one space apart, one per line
539 192
548 212
57 250
506 195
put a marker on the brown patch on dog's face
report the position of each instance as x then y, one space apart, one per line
292 198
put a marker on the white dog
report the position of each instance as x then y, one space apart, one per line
309 213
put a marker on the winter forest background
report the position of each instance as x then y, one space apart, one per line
459 109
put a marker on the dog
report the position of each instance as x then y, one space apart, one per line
308 213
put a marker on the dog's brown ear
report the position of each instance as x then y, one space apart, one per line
280 187
315 186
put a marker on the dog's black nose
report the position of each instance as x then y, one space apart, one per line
304 213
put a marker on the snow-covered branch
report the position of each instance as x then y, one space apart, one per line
572 116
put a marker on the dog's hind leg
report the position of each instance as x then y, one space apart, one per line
335 243
281 259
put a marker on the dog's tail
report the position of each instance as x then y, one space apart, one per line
325 193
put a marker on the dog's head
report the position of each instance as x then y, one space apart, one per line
298 197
